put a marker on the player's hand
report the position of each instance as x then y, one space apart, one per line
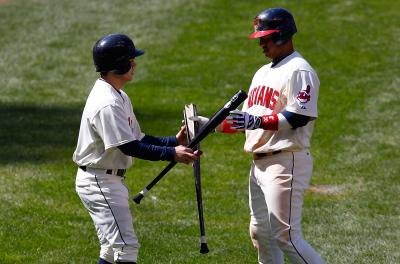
241 120
186 155
200 119
181 136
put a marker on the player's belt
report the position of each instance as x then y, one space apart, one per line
118 172
266 154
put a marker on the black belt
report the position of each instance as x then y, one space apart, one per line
261 155
119 172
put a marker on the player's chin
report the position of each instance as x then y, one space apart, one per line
127 79
266 54
129 76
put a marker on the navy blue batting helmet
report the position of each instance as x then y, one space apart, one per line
112 53
275 22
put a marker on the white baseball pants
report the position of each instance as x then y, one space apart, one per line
276 189
107 200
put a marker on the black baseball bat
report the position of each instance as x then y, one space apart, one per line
209 127
197 183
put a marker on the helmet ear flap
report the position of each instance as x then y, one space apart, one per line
122 67
281 37
277 38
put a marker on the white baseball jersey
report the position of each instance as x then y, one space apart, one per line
107 122
291 85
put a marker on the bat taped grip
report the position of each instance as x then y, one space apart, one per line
203 239
142 192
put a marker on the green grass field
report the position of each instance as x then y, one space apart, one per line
197 52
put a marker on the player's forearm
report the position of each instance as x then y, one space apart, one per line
240 121
283 120
147 151
160 141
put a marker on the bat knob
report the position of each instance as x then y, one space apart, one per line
204 248
138 198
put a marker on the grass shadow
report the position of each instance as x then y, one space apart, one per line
38 134
32 133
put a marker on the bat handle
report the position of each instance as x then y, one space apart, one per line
138 197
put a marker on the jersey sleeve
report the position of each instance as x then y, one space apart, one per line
112 125
303 89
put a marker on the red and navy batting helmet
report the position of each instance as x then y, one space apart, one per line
275 22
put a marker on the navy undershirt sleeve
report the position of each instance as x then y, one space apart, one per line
160 141
146 151
296 120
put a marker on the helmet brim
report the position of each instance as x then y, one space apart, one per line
138 52
262 33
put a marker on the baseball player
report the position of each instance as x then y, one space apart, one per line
278 118
109 137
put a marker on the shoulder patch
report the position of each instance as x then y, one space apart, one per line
304 96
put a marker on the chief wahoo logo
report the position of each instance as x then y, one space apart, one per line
304 95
